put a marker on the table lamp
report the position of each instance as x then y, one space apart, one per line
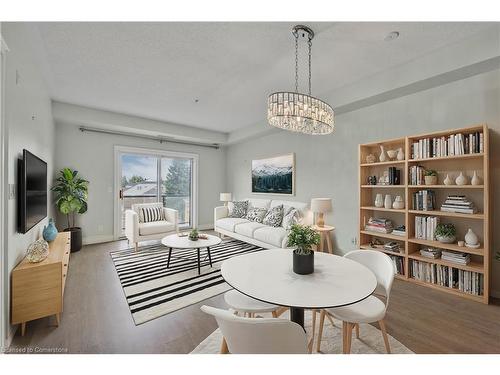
321 206
225 197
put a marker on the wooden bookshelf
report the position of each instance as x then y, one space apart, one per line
410 246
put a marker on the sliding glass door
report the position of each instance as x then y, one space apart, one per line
147 177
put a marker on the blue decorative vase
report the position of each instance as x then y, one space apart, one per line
50 231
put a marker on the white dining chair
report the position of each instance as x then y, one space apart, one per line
369 310
247 306
258 335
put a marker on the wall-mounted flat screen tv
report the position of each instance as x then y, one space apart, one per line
32 191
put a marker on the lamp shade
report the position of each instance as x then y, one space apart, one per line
321 205
225 197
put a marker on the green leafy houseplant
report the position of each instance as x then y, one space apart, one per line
194 235
445 232
430 172
303 237
71 193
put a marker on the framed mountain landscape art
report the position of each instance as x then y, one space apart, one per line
274 175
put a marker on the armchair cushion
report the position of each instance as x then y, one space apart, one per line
150 214
156 227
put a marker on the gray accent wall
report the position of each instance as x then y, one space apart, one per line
327 166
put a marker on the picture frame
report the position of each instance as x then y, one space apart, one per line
274 175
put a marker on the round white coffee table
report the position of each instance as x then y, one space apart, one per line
175 242
268 276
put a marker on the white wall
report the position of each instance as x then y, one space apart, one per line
92 154
326 166
29 125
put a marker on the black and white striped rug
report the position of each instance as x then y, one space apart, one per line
152 290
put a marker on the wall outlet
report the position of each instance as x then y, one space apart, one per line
12 191
354 240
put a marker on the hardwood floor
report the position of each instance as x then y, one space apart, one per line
96 318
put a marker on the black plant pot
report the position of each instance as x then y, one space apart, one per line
76 238
303 264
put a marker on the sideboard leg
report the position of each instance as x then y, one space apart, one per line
58 319
23 328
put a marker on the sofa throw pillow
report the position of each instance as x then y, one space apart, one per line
238 209
274 216
291 218
149 214
256 214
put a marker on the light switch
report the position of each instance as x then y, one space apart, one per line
12 191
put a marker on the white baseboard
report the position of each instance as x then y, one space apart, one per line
98 239
206 227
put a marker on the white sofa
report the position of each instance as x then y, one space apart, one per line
135 231
256 233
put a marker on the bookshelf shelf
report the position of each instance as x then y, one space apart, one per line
472 266
445 186
373 208
480 257
447 214
388 163
368 247
447 246
447 158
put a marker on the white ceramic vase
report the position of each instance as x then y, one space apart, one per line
401 154
382 154
388 201
475 179
448 180
461 180
471 238
379 202
398 203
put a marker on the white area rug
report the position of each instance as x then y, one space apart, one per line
370 339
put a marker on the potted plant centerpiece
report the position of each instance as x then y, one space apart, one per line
194 235
302 238
445 233
71 198
430 177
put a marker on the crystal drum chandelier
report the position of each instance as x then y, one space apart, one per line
299 112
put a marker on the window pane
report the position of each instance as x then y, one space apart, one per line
176 187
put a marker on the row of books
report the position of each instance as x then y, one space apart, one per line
380 225
400 230
424 200
425 227
394 175
465 281
459 204
417 175
399 264
455 144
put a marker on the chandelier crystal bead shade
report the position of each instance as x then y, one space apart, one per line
298 112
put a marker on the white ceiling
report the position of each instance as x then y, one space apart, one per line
157 70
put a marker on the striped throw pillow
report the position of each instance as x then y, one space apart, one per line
149 214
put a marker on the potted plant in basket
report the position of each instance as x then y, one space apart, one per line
445 233
194 235
71 198
302 238
430 177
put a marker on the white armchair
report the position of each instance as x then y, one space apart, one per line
136 231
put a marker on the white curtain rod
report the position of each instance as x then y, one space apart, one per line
150 137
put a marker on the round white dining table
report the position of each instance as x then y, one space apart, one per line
268 276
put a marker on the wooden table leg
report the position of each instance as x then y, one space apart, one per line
329 242
58 319
23 328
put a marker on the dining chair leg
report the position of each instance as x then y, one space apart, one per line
348 340
381 323
320 331
223 347
330 319
281 310
275 314
344 337
357 330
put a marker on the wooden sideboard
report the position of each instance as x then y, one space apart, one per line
38 288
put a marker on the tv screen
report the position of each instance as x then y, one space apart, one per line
32 194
